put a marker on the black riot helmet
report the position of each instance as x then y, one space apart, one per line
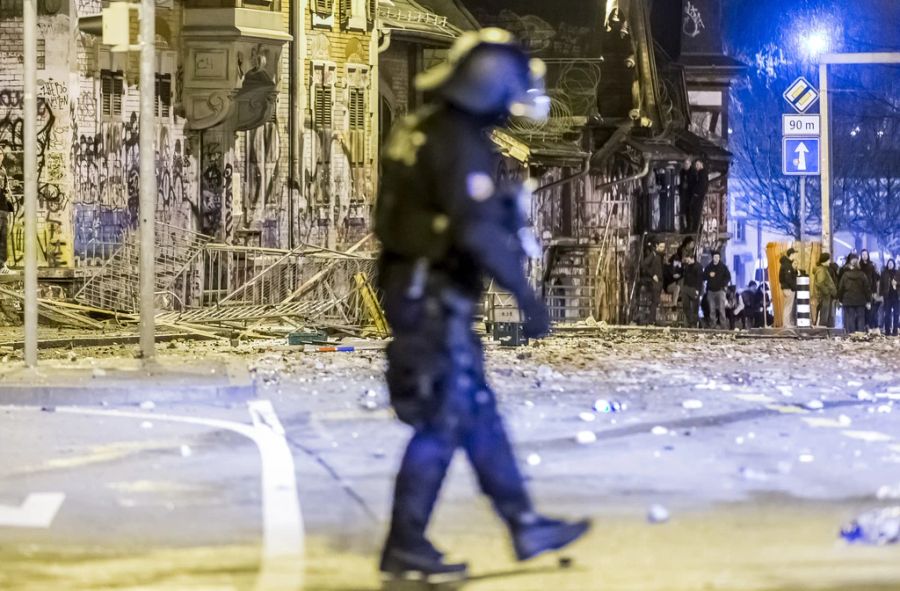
489 74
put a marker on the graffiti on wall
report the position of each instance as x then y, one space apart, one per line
693 20
264 182
106 184
53 241
55 94
176 205
212 188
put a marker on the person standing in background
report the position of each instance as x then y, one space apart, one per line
652 279
684 190
675 276
698 186
867 266
5 213
826 291
787 277
855 294
717 277
890 292
690 290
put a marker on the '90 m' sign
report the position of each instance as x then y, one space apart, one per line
800 125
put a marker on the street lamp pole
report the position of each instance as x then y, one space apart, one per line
29 137
825 112
148 180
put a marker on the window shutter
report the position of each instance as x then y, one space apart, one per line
323 110
373 12
329 103
324 7
106 90
357 126
118 93
357 109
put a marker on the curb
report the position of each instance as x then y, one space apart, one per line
131 384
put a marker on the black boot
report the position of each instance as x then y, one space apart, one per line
533 534
425 566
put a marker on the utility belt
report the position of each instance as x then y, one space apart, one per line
419 291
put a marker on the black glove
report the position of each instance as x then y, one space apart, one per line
537 318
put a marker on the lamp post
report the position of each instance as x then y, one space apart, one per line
813 45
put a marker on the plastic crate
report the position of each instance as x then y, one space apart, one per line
510 334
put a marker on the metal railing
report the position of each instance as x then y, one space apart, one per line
232 286
115 286
417 17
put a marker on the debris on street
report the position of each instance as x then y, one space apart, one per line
658 514
878 527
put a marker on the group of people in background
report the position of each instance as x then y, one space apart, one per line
868 297
695 288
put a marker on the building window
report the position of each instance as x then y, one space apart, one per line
41 54
163 104
740 231
355 17
373 13
358 109
323 13
323 7
323 96
112 91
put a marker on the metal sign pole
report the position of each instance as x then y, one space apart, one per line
825 112
29 136
148 178
802 207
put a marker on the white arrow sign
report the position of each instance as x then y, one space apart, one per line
801 151
38 511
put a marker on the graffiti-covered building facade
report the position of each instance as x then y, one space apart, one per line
265 132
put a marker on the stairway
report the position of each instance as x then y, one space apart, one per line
570 285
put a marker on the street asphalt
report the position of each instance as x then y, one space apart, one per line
759 450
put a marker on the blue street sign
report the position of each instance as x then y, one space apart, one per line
800 156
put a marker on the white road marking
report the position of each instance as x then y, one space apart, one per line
282 565
870 436
282 520
762 398
837 423
37 511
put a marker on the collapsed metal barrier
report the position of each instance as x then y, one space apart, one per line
233 287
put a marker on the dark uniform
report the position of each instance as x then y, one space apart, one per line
444 223
432 283
5 212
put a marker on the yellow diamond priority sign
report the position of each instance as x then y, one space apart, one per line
801 95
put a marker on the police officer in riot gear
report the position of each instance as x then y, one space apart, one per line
444 222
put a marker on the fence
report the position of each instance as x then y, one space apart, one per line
115 286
